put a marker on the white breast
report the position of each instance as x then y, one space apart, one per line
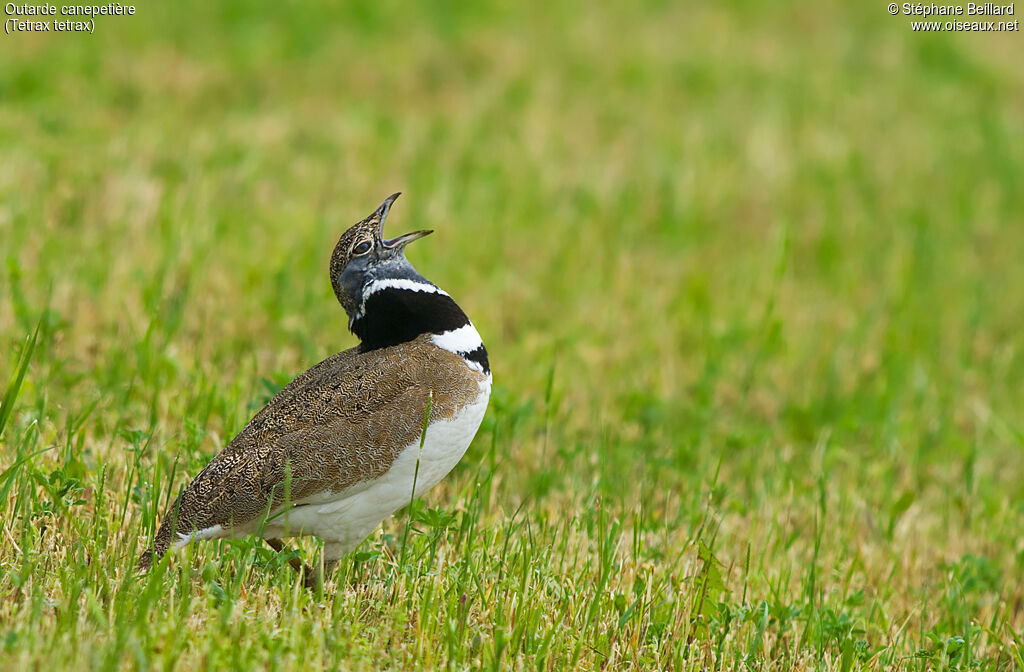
349 516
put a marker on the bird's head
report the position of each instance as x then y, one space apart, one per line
362 256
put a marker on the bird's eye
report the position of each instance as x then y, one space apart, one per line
362 248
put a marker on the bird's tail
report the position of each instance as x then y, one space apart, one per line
162 541
148 557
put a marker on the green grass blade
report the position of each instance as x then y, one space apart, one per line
11 393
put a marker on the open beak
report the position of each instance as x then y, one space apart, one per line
401 241
381 213
404 240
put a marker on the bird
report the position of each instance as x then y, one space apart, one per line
356 437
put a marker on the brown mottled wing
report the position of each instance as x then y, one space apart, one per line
341 422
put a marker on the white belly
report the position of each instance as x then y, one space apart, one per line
345 519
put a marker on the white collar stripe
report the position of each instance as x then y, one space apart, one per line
463 340
396 283
401 283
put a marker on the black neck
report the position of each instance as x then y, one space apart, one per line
392 316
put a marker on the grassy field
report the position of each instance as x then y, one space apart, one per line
750 276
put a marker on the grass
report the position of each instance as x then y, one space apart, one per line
749 276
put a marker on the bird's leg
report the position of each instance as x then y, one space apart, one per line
311 577
332 555
323 570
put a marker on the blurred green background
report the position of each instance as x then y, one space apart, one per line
749 273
